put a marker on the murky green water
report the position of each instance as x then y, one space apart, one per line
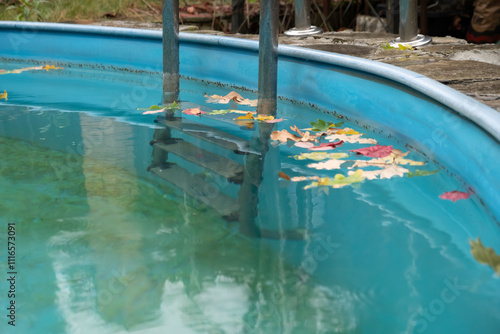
105 246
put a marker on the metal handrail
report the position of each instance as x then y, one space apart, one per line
408 26
303 25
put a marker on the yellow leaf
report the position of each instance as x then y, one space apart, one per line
3 95
347 131
246 117
264 118
485 255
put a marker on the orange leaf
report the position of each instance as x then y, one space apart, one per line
284 176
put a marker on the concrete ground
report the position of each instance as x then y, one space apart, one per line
469 68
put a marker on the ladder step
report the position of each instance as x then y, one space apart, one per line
196 186
223 166
209 134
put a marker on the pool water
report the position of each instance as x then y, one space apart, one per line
113 235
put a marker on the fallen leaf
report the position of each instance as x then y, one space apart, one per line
246 117
231 96
485 255
318 156
304 144
347 131
276 120
306 136
193 111
155 111
283 136
220 112
397 157
284 176
4 95
419 172
33 68
264 118
376 151
328 165
351 139
153 107
322 126
385 173
326 146
339 180
454 195
304 178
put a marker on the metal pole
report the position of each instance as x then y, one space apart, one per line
170 51
408 25
268 56
303 25
238 15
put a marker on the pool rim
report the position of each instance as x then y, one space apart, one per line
482 115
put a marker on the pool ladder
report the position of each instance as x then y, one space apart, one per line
195 185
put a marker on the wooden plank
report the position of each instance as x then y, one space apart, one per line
196 186
209 134
223 166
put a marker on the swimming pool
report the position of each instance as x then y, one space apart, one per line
110 242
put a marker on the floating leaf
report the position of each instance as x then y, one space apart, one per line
220 112
193 111
153 107
387 46
51 67
276 120
347 131
339 180
397 157
304 178
4 95
485 255
306 136
351 139
284 176
322 126
154 111
172 106
232 96
283 136
318 156
33 68
454 195
246 117
385 173
264 118
376 151
419 172
304 144
326 146
328 165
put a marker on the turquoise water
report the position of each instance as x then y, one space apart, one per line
105 246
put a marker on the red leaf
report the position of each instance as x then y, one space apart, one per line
454 195
193 111
376 151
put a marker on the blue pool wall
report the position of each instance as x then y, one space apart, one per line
442 123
